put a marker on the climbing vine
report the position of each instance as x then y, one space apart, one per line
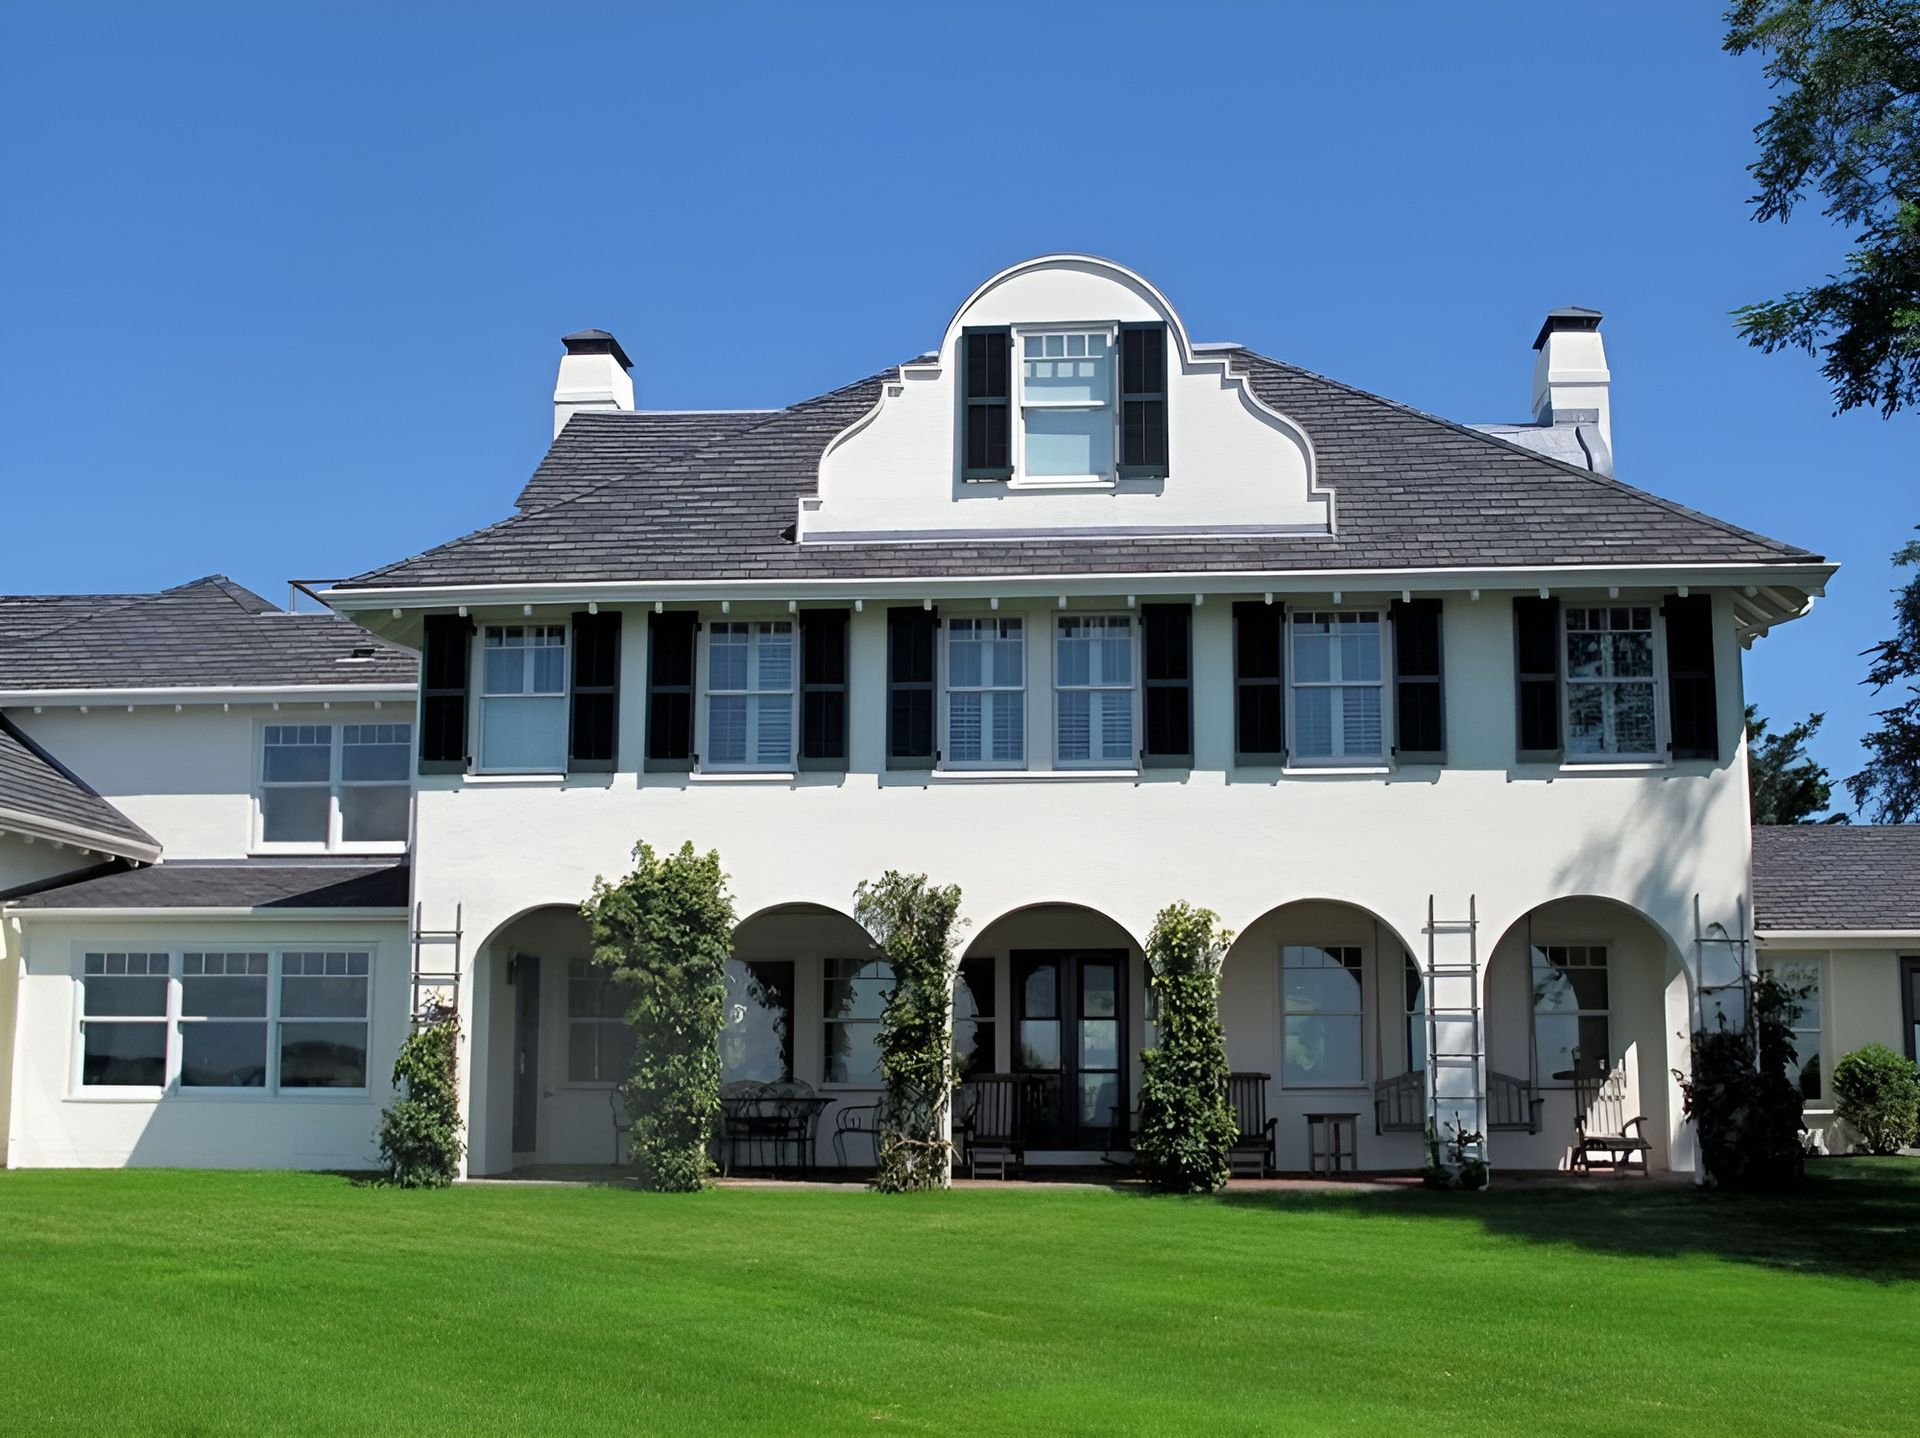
421 1139
666 932
912 922
1747 1112
1186 1125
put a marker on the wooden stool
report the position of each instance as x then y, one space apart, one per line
1330 1142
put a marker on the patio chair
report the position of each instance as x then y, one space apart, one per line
621 1100
859 1118
990 1122
1600 1122
1253 1130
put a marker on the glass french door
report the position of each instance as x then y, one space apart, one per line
1070 1036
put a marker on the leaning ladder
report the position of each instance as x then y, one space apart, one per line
436 986
1456 1032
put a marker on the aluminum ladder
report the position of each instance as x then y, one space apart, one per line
436 987
1456 1030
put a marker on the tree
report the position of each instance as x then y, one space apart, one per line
1186 1126
1888 789
1787 786
913 922
1845 120
666 932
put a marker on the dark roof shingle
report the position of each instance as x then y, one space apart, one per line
1411 491
238 884
1836 876
36 786
208 633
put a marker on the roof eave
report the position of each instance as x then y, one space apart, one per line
79 837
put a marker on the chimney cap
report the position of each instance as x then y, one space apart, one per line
1567 317
595 342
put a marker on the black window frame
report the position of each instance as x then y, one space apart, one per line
981 442
1143 420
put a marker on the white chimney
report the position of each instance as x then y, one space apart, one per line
1570 380
593 375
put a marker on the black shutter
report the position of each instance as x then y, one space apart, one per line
823 689
1259 697
1536 652
593 735
987 370
912 635
1419 696
1166 634
670 645
443 694
1693 704
1143 401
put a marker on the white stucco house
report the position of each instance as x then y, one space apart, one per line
1071 610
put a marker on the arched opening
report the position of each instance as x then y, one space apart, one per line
1053 994
1319 1000
1581 990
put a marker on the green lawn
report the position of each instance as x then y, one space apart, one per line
148 1302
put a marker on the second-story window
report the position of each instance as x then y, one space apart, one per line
986 693
1338 684
1093 681
1066 405
1611 704
750 695
523 699
334 785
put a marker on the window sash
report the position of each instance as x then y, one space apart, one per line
1607 686
1329 1037
762 703
347 799
867 983
1551 968
1101 699
1358 701
278 1022
1807 1071
1053 411
991 708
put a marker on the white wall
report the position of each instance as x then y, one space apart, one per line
57 1124
189 778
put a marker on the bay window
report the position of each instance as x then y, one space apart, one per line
986 693
523 699
335 785
1612 709
1066 403
1321 1015
750 695
1570 1010
1093 684
1338 668
202 1020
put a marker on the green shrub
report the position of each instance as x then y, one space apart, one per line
420 1135
1186 1125
912 922
1747 1113
1877 1091
666 931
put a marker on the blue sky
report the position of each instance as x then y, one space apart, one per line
284 286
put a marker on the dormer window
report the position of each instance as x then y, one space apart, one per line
1063 405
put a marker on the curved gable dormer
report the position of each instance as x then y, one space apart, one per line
1066 398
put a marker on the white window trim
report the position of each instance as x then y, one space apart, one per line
1135 657
477 678
1659 755
1347 763
943 740
1366 1001
335 842
172 1089
704 693
1020 405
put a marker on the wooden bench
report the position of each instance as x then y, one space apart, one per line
1600 1122
1400 1103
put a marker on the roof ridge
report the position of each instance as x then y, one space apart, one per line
1605 481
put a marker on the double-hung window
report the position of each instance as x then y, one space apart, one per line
1612 708
1338 668
276 1020
986 693
1067 424
855 998
1322 1015
749 695
599 1040
1093 690
1570 1010
523 699
333 785
1802 978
